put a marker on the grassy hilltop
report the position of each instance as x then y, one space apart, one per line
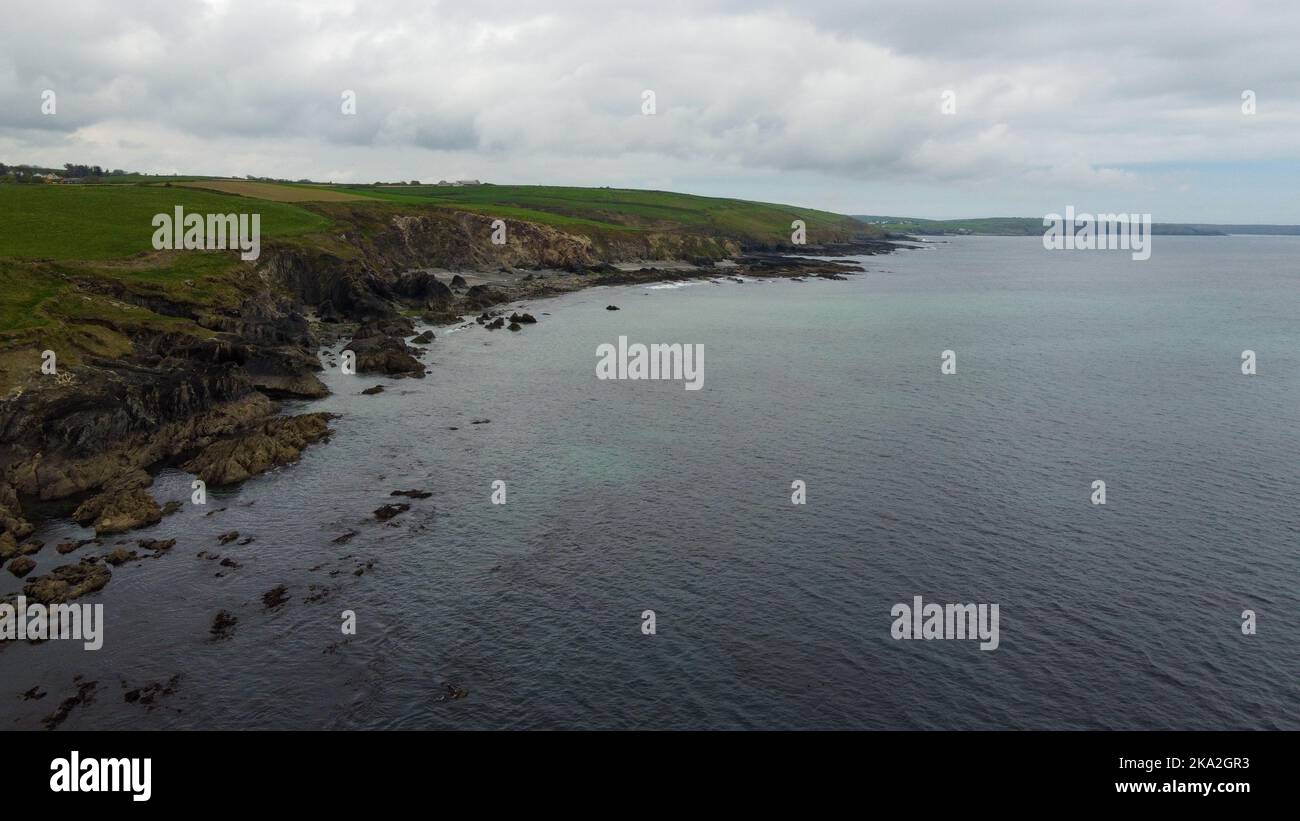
78 272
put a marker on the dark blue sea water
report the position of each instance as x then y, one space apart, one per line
626 496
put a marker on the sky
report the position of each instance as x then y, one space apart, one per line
940 110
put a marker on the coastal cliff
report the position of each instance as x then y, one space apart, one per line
187 371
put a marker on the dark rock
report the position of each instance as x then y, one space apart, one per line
458 281
423 289
344 538
275 598
228 537
223 625
150 693
380 347
481 297
515 326
85 695
611 307
120 555
21 566
171 507
412 494
157 545
386 512
452 692
373 390
424 338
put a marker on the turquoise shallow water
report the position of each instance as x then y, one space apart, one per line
626 496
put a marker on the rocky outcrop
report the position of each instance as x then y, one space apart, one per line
111 418
289 374
120 555
12 524
122 505
380 347
276 442
422 289
481 297
67 582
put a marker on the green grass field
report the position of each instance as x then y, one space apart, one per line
53 237
618 209
93 222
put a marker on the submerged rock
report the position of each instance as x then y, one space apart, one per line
452 692
150 693
223 625
386 512
120 555
275 598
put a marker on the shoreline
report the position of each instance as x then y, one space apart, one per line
217 409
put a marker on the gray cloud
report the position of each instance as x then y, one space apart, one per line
809 102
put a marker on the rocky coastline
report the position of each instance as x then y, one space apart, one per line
83 443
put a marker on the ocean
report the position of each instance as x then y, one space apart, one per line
630 496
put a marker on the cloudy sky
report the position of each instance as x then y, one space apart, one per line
836 104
